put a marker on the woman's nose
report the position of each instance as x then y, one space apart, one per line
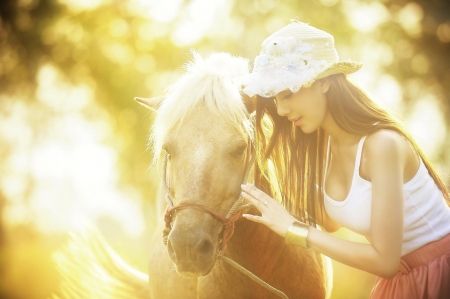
282 109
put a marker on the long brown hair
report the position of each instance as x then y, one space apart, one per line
299 158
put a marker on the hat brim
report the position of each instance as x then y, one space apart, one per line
268 86
341 67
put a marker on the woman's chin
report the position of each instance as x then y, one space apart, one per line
308 129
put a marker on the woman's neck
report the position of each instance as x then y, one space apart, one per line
338 135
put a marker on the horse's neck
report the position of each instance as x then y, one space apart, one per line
253 242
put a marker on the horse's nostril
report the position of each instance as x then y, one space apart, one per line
205 247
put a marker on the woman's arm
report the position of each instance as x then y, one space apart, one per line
386 158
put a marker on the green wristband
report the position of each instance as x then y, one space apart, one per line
297 234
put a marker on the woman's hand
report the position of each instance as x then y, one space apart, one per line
274 216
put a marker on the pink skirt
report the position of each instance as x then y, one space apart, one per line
422 274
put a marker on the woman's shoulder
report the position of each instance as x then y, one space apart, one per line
385 139
385 144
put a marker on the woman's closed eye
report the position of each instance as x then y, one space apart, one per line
287 96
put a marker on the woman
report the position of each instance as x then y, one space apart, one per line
346 162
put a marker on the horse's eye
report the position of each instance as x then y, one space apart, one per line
238 151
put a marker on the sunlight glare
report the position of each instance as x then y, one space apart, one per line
366 17
66 157
59 95
76 182
427 125
389 93
202 15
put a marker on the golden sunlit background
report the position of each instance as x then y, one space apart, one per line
73 149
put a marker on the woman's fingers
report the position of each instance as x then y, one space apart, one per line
259 204
253 218
273 215
251 199
254 193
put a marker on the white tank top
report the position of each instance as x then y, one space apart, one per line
426 215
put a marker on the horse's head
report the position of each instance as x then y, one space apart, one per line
203 126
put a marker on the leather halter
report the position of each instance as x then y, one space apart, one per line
228 221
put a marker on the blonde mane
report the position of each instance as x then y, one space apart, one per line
207 83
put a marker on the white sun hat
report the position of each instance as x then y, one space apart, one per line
292 57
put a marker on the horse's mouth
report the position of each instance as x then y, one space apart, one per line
194 270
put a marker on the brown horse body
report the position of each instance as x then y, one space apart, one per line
297 272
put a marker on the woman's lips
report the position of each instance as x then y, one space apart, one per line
297 121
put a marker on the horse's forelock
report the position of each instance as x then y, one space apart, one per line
207 83
219 64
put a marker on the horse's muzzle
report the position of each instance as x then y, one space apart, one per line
193 252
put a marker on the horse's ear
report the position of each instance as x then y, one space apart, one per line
150 103
250 102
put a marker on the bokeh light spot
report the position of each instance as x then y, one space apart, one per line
145 64
410 17
118 28
366 17
443 32
117 52
161 11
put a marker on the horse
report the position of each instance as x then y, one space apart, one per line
204 127
203 137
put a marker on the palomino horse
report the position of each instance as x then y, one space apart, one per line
204 128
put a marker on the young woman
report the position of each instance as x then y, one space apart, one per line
343 161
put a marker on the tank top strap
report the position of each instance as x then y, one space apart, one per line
358 155
327 159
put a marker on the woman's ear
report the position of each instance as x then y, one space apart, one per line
324 85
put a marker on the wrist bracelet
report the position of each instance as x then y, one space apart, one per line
297 234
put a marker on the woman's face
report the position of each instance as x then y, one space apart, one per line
307 108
